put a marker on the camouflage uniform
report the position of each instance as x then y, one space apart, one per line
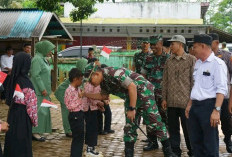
139 59
146 104
153 69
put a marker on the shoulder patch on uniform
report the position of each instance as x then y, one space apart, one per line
220 56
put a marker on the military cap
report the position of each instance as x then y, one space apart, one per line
91 68
154 39
203 38
214 36
145 40
166 43
178 38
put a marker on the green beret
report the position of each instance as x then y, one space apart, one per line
154 39
90 68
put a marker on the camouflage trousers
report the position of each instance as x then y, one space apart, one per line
147 108
163 114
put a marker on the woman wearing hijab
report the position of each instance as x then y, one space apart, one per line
23 110
40 73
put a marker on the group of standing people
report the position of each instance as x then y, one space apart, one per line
164 88
191 89
31 75
27 118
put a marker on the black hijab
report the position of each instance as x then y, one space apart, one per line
19 75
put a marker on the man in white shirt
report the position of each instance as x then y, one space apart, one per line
6 66
210 87
7 60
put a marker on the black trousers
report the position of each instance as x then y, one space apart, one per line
204 138
225 119
91 132
175 115
108 119
76 121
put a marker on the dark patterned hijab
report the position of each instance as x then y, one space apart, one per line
19 75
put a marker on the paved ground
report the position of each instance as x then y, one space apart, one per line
111 145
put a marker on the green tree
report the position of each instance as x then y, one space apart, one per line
29 4
222 19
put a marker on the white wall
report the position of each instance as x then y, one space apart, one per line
149 10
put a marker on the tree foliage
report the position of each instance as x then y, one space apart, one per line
84 8
10 3
222 19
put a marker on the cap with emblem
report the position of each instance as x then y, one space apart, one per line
203 38
145 40
154 39
178 38
214 36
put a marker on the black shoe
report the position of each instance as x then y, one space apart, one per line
151 146
109 131
102 133
68 135
129 149
228 145
91 151
41 139
168 152
145 140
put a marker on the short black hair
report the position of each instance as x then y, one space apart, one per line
9 48
26 44
90 49
74 73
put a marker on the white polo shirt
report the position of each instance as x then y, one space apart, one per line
6 61
210 78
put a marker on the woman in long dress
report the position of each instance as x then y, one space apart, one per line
22 109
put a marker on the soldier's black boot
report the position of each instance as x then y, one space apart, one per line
228 143
129 149
151 146
167 150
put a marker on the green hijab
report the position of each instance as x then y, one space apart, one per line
44 47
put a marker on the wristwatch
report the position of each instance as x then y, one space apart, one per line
131 108
218 109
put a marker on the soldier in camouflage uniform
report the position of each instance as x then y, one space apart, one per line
140 57
225 115
153 72
130 86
